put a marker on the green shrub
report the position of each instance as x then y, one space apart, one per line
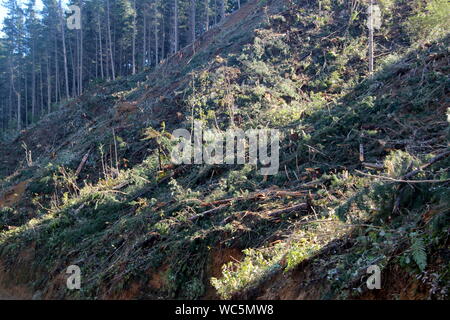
298 252
239 276
431 22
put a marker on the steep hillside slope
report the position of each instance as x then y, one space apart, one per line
363 174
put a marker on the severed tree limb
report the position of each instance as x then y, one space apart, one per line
400 180
208 212
174 173
273 214
83 162
277 213
405 179
411 174
374 166
271 193
428 164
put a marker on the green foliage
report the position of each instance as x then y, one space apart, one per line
238 180
44 185
180 193
398 163
430 22
285 115
194 289
258 264
6 215
298 252
418 251
238 276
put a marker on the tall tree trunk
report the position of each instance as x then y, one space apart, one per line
206 15
113 72
120 71
216 6
49 85
134 38
19 117
73 59
41 80
56 70
149 42
10 117
63 37
222 9
163 43
175 27
97 67
156 30
144 41
33 82
26 99
80 84
16 92
102 74
107 64
192 20
371 32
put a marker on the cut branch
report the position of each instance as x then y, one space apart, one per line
278 213
257 195
401 180
82 164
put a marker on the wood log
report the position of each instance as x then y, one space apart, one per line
82 163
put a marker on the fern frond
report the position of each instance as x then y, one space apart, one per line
418 253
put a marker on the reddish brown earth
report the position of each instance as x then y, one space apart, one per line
13 195
12 279
219 257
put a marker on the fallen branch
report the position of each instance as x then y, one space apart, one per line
374 166
398 199
121 185
278 213
401 180
83 162
208 213
411 174
149 189
273 214
256 195
431 162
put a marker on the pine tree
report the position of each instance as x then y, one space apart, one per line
174 34
14 28
192 20
42 62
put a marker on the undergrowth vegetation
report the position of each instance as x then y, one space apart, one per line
364 175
